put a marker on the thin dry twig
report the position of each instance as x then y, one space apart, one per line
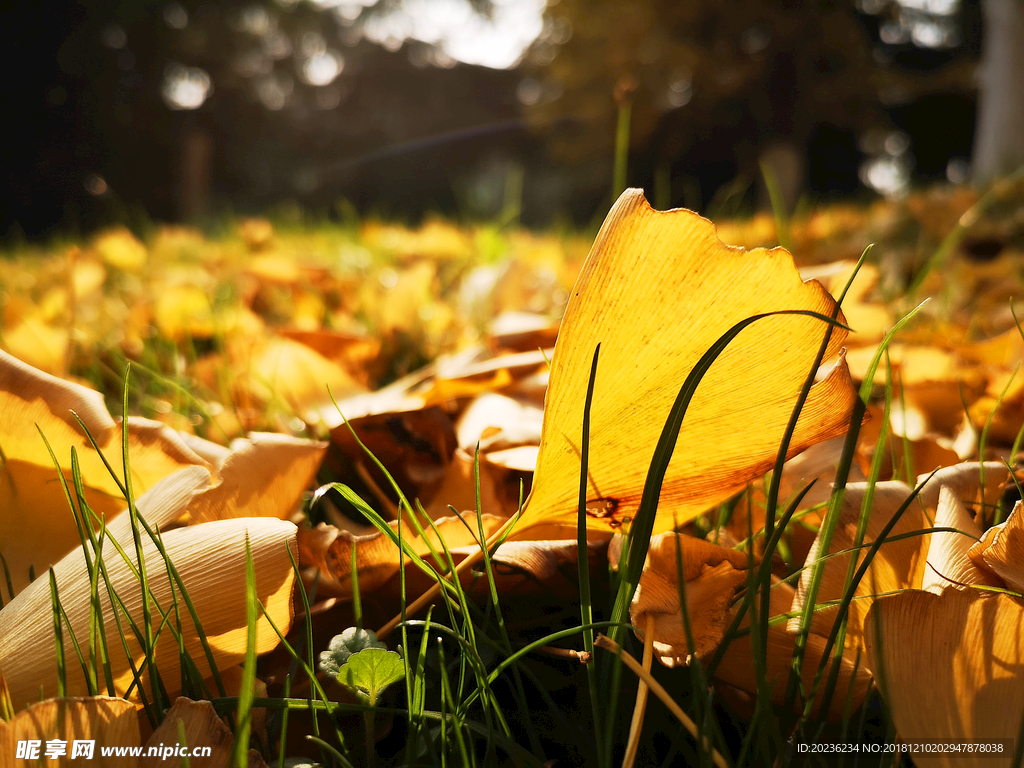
603 641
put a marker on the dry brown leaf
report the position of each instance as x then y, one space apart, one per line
738 670
817 465
107 721
36 525
713 574
377 557
211 559
263 476
951 667
658 290
194 724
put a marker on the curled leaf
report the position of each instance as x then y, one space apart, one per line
950 666
211 559
36 525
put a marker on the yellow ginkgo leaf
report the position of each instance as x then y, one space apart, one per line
104 720
950 667
263 476
120 248
36 525
211 560
657 291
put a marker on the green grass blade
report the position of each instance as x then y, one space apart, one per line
243 715
58 636
583 559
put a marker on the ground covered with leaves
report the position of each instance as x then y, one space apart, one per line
393 496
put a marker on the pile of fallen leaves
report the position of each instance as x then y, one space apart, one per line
271 363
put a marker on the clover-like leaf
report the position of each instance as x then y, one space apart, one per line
372 670
344 646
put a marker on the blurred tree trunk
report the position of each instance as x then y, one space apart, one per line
195 170
999 138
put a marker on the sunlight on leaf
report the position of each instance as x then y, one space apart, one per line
108 721
658 289
211 561
952 665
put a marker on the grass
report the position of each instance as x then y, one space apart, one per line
475 688
500 680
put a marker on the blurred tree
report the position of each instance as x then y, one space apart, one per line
769 75
176 109
999 143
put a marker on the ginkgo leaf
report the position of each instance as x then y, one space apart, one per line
657 291
950 666
899 563
263 476
1001 551
738 669
36 525
107 721
211 559
712 573
949 562
43 345
377 557
194 724
285 372
120 248
713 576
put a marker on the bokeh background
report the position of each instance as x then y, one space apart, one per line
130 111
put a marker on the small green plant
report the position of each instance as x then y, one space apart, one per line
364 665
370 671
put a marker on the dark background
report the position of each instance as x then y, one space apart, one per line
90 139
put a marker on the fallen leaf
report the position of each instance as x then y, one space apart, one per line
657 291
898 564
211 559
285 373
120 248
377 557
194 724
107 721
950 666
263 476
36 525
1001 550
713 576
738 670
